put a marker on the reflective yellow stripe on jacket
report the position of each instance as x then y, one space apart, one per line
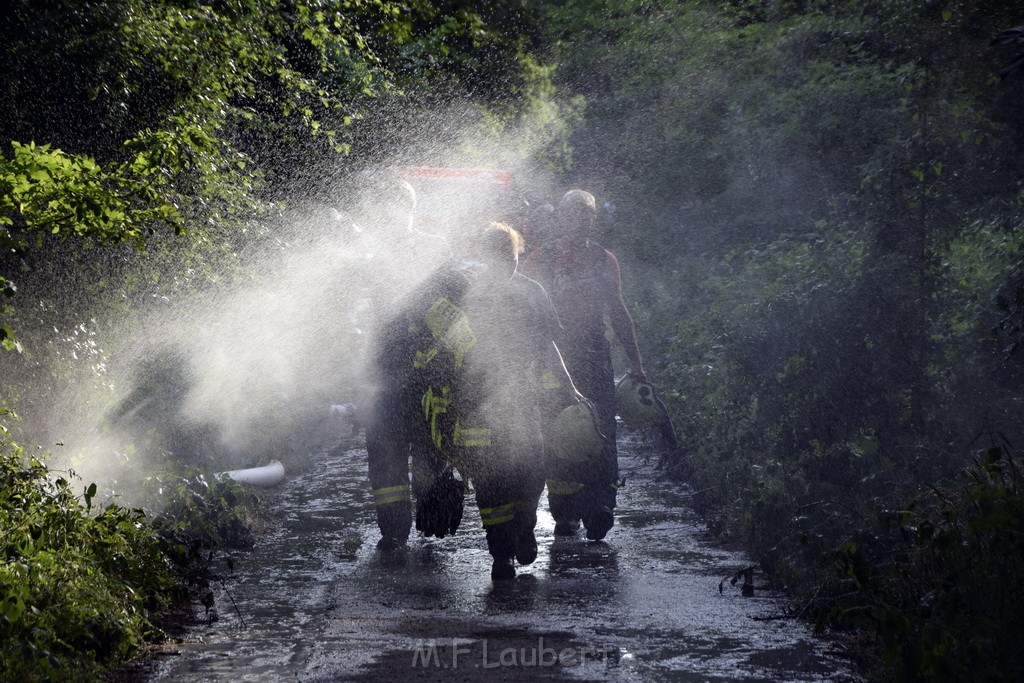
422 359
434 405
550 380
449 325
470 437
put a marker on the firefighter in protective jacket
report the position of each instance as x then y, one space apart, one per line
482 374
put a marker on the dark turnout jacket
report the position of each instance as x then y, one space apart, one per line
470 365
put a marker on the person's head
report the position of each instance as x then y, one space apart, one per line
389 205
576 213
498 246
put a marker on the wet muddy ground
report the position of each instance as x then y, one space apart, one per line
320 603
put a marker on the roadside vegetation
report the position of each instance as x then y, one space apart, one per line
819 212
818 207
82 585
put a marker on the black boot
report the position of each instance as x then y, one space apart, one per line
502 569
526 547
598 522
390 543
501 543
394 520
567 527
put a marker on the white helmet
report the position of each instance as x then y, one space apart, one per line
636 403
575 435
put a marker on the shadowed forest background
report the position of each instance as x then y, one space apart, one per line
818 207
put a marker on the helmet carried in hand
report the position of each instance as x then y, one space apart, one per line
575 435
637 404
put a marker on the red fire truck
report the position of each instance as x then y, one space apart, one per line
453 201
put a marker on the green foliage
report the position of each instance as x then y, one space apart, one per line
80 587
193 118
748 355
937 582
826 199
540 127
77 588
975 266
48 190
199 515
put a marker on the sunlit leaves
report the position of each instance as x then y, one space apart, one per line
252 60
75 589
46 189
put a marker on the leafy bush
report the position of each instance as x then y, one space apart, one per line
80 587
938 579
199 515
820 220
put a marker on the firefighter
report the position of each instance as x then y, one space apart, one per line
397 258
583 280
488 374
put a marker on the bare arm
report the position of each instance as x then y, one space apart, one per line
622 322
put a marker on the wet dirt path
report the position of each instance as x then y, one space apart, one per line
321 603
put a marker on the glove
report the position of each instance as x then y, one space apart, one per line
439 511
394 520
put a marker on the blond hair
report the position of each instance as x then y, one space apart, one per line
500 240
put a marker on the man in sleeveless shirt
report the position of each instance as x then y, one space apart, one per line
583 280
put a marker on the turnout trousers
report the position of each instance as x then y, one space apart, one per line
575 488
507 494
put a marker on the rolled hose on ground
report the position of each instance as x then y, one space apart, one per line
270 474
